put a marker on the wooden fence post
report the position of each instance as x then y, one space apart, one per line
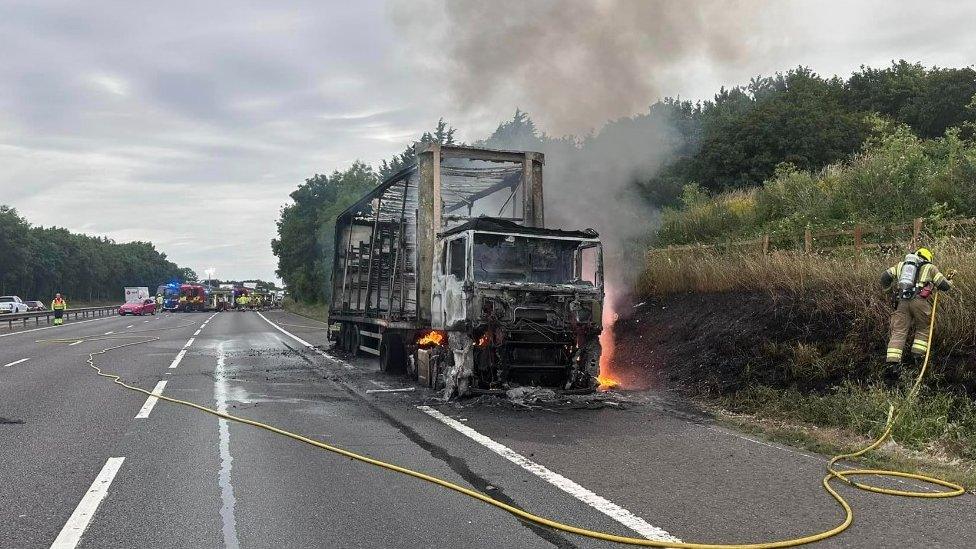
807 241
916 231
858 233
765 244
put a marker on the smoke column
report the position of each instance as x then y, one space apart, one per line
574 65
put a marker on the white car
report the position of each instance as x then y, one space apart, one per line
12 304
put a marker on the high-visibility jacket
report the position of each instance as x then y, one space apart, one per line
59 304
928 273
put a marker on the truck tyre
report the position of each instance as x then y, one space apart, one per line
345 337
393 356
355 340
352 339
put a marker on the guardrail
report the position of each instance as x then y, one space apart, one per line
83 312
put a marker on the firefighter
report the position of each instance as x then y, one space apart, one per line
159 302
912 282
58 305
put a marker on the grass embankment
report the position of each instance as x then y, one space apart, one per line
788 342
791 344
315 311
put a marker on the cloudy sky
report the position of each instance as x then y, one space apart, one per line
187 124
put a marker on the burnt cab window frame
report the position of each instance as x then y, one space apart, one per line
456 249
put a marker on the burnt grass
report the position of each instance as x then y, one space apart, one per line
714 344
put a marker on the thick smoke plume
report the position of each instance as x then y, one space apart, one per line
573 64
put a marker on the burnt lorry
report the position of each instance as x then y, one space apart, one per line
447 273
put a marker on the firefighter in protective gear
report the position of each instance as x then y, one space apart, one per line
159 302
913 308
59 305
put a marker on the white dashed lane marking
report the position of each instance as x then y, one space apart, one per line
77 523
147 408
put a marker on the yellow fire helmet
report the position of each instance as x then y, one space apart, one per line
924 253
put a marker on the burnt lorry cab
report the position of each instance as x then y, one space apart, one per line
447 272
523 304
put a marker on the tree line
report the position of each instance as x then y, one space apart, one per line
36 262
735 140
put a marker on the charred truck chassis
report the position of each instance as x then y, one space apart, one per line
467 303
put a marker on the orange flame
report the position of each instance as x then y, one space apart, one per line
606 382
431 338
606 378
484 340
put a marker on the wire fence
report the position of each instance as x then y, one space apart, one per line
858 239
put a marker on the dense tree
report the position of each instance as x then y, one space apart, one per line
37 262
928 101
305 229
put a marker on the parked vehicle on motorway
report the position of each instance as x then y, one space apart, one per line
35 306
136 294
193 297
12 304
144 307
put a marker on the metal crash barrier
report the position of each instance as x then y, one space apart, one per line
83 312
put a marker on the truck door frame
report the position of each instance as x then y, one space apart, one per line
447 286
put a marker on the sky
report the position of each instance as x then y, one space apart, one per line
187 124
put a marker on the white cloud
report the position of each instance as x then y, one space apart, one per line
109 83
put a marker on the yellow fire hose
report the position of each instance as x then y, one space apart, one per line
832 473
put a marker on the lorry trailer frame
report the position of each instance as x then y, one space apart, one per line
432 276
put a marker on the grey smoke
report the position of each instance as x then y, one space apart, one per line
574 66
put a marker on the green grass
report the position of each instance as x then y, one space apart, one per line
936 435
315 311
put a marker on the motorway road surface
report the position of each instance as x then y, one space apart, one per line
86 463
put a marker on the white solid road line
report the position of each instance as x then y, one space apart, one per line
344 364
151 401
78 522
227 501
49 327
282 330
14 363
179 357
75 343
599 503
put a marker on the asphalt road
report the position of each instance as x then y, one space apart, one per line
79 466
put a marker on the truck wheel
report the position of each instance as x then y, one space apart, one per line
342 342
356 340
393 359
350 339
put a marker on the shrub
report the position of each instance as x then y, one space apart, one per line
896 178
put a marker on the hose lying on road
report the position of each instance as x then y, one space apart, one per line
832 473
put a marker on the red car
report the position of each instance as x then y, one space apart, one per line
147 306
